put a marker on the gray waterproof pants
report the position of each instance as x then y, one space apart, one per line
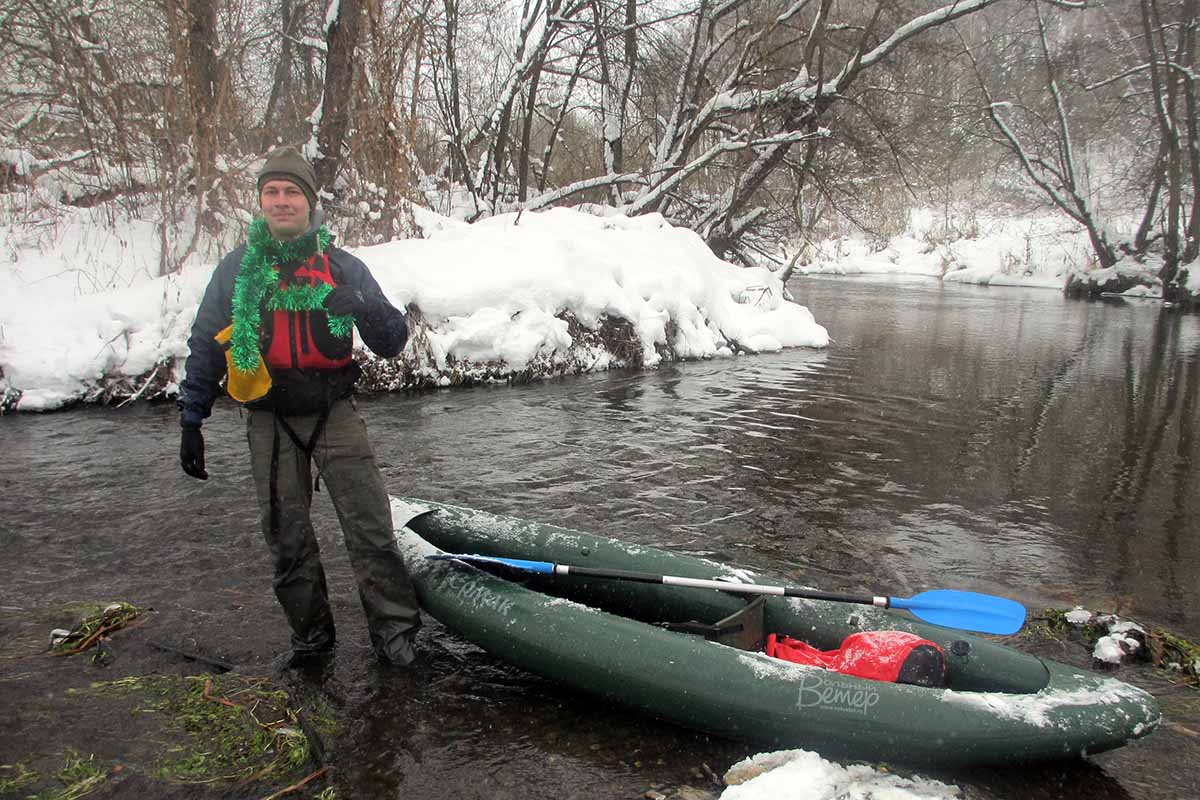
284 483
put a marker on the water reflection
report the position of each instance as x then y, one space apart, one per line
1047 444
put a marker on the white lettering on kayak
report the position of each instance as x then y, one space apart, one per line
476 594
815 692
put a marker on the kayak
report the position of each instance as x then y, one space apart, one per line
621 641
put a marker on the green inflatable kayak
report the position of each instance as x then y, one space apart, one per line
607 637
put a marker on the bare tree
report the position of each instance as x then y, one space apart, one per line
282 85
738 108
382 181
1144 79
1051 161
71 101
1172 78
737 118
341 42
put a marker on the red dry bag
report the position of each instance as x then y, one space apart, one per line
893 656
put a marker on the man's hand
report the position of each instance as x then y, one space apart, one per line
191 453
345 300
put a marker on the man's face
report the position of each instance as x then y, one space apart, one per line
285 208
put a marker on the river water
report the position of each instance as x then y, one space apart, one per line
999 440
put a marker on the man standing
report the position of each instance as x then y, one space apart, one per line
277 320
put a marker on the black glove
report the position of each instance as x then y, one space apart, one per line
191 453
345 300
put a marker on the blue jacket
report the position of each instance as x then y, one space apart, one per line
382 327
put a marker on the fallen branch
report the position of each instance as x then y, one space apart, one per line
96 636
299 785
140 391
208 696
91 630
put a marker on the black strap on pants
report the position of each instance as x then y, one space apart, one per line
306 448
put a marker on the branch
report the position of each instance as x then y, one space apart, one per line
1030 170
679 174
543 200
1115 78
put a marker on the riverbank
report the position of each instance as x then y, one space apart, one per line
513 298
132 717
1040 250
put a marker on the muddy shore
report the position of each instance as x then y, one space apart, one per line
137 717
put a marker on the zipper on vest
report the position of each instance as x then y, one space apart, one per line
293 334
303 327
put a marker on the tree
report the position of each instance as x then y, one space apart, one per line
341 42
755 80
1105 89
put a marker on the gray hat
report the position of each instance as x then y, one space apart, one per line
287 164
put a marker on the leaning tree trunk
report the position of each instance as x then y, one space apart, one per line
282 83
341 41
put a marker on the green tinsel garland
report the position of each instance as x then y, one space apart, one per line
260 275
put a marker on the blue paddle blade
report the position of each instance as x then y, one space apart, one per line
518 563
969 610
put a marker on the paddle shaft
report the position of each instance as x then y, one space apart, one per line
724 586
946 607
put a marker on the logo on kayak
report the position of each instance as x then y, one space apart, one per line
477 595
815 692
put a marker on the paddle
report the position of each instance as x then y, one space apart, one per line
946 607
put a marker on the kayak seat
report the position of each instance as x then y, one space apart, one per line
742 629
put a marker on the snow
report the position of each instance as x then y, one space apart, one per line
1038 709
802 774
1037 250
1079 615
1117 642
1108 649
494 292
86 305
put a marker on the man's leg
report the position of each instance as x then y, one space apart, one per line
347 466
284 487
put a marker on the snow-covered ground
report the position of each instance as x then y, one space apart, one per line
83 303
1038 250
1011 250
84 306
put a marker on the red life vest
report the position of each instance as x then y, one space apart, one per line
893 656
301 339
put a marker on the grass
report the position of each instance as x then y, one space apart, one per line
238 729
79 777
14 777
1176 653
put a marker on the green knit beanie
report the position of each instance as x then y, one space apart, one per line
287 164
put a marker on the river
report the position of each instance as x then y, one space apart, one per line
999 440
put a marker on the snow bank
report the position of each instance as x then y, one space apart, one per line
998 250
495 288
499 293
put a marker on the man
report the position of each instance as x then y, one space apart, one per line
276 320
